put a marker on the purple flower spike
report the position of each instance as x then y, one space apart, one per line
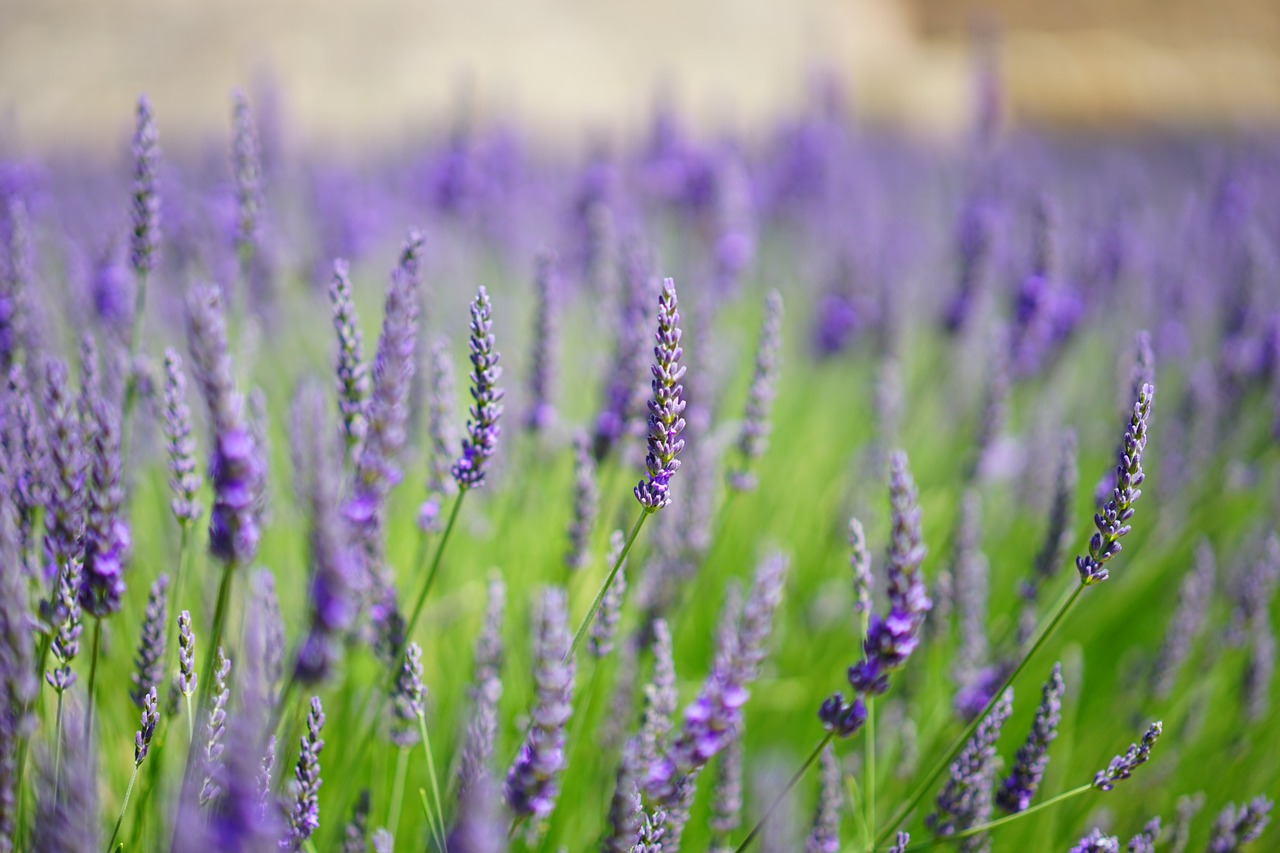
144 241
533 780
107 538
187 677
860 564
150 716
353 375
1145 841
247 167
825 835
184 479
586 504
1237 826
965 800
1020 786
541 413
1122 766
754 438
66 642
481 442
148 663
305 817
408 697
665 407
1113 521
1097 842
64 521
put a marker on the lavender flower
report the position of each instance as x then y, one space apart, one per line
439 416
353 376
15 281
148 663
1238 825
215 728
1021 784
825 835
660 696
478 828
186 656
995 404
247 168
107 539
1260 667
1112 521
353 836
28 456
335 570
1186 810
624 820
482 427
18 686
376 470
1145 841
382 841
150 716
605 625
726 793
960 801
1097 842
66 642
969 572
1194 597
665 407
652 829
541 412
266 801
64 521
1122 766
69 819
754 438
305 817
627 364
1142 373
269 628
144 242
407 698
236 468
900 843
532 782
184 479
860 564
891 640
586 501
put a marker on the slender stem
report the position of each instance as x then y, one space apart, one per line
215 634
645 512
795 777
191 722
435 781
869 768
435 565
397 792
57 750
93 674
985 827
923 788
133 777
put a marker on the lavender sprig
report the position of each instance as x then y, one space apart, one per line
407 698
825 835
485 691
1194 597
439 417
541 412
960 801
483 430
1020 785
726 793
610 612
305 816
64 521
184 478
107 539
665 406
148 663
1112 521
1145 841
860 566
1096 841
1122 766
586 501
1236 826
246 167
150 716
215 728
753 440
187 677
66 642
144 240
352 373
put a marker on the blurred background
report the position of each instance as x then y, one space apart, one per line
352 72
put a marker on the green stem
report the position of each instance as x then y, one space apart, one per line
791 783
869 768
435 565
926 785
397 792
435 781
133 777
191 721
645 512
215 634
978 830
93 674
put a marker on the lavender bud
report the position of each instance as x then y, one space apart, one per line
960 803
1238 825
1145 841
586 504
1097 842
532 782
660 696
184 479
107 539
186 655
860 564
901 842
66 642
1113 521
144 242
150 716
665 406
353 376
541 413
606 623
1194 597
408 697
382 841
266 802
247 168
1023 781
305 817
754 438
148 663
825 835
481 442
31 471
1142 373
1122 766
215 728
624 818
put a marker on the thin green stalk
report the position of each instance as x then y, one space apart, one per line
435 781
926 785
215 634
645 512
435 565
191 722
170 642
93 674
133 777
869 768
397 792
782 795
986 827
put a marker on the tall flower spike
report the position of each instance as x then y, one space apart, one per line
541 412
408 697
15 281
1113 521
1122 766
1142 373
1194 598
439 418
660 697
825 835
66 642
860 566
352 373
1145 841
1237 826
305 817
150 716
1097 842
533 780
31 475
18 686
184 479
1057 536
606 624
586 504
726 794
247 167
148 672
753 440
1020 786
69 820
481 442
64 520
961 799
665 406
186 656
353 836
215 728
485 691
144 241
107 540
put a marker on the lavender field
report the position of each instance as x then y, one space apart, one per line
820 488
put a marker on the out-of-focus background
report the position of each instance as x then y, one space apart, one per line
374 69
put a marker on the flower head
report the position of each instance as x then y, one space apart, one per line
665 406
1122 766
481 442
